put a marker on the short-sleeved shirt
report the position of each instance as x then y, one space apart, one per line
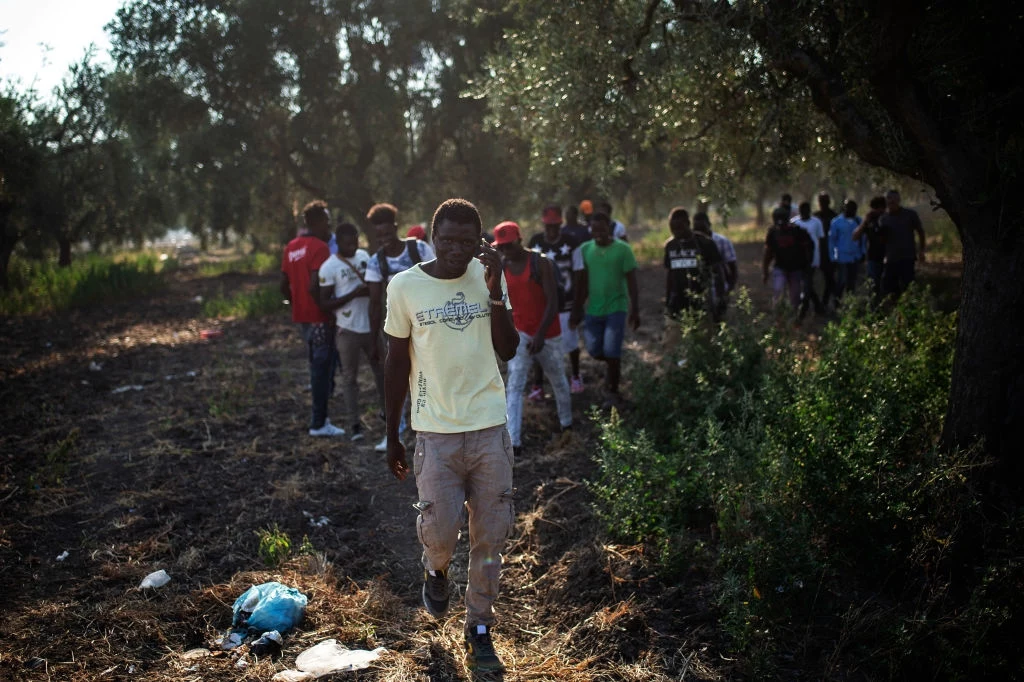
689 262
561 254
606 268
301 256
898 229
344 278
826 216
455 384
578 232
814 228
618 230
398 264
876 240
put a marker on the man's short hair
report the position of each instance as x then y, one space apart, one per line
458 211
877 203
601 216
382 214
780 216
606 208
850 206
701 222
805 208
892 193
786 198
678 214
346 230
316 209
823 196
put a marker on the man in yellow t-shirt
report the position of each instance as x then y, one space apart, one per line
446 320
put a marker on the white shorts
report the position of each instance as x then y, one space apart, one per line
570 339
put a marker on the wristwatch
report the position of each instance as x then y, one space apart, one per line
498 301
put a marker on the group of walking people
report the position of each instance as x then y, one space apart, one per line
449 310
453 308
800 244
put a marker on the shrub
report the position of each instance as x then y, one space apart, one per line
820 470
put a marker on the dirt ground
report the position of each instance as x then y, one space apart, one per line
129 443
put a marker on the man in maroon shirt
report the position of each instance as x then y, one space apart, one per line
300 262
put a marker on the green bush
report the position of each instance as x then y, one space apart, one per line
40 287
248 304
834 509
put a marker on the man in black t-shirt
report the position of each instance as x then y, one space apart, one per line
693 267
876 243
560 247
790 248
898 225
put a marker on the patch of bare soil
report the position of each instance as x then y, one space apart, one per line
129 443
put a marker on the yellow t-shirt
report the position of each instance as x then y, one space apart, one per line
455 385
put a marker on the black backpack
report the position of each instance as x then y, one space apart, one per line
535 276
411 248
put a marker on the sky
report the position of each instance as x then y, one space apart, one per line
41 38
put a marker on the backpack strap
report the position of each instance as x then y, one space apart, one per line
382 262
535 267
412 247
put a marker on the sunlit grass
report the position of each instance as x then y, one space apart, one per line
42 287
252 264
247 304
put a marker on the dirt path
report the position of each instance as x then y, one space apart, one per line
131 444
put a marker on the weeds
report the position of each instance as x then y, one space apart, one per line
253 264
246 304
41 287
275 546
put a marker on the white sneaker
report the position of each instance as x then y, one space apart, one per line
381 446
328 429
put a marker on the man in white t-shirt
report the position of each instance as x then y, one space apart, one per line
343 291
394 255
813 227
447 320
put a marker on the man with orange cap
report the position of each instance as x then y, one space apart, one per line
586 211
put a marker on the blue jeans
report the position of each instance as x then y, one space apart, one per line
323 363
846 277
603 334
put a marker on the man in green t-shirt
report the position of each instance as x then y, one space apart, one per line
606 291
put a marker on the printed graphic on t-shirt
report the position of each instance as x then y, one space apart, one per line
683 259
455 314
296 255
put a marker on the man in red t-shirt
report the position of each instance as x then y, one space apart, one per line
299 284
533 293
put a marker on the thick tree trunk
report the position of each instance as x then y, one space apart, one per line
6 249
64 257
986 399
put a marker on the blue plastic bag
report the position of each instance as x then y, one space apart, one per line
270 606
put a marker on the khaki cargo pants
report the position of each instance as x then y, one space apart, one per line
456 474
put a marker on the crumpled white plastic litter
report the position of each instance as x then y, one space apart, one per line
155 579
325 658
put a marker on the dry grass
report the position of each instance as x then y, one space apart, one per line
181 475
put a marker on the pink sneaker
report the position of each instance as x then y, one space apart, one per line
576 385
536 394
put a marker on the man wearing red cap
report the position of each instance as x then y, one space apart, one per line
533 293
560 248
